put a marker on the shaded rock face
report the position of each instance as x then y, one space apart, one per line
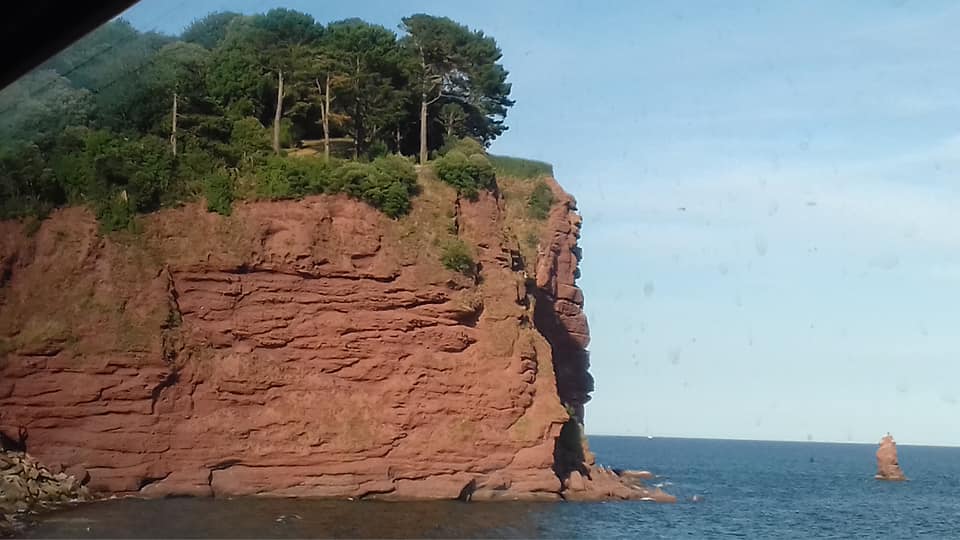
888 468
294 349
559 314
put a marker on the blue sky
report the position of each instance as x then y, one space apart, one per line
771 229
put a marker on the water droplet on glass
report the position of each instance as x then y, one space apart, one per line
760 244
886 261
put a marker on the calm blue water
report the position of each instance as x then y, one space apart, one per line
750 489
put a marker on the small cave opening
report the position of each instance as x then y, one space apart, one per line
568 453
16 443
472 317
149 480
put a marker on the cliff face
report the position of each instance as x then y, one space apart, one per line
310 348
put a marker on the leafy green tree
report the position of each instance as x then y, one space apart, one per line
454 64
286 38
209 31
237 79
111 62
27 184
453 118
367 62
128 121
176 76
249 138
42 104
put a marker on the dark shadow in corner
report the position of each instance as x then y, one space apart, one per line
14 445
568 454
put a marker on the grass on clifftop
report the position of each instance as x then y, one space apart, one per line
520 168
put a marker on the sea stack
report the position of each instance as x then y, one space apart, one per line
888 468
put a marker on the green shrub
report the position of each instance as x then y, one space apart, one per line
466 146
457 258
399 168
468 174
117 175
114 212
386 184
273 180
377 149
28 187
350 178
319 174
391 184
483 171
540 201
288 134
148 166
292 178
249 141
520 168
532 239
218 190
192 170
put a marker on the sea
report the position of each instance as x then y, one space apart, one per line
726 489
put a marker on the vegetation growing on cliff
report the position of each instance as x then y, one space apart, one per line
519 167
466 167
540 201
456 257
127 121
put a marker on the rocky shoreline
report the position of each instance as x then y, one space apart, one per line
604 484
27 487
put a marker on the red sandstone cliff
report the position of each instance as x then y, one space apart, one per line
310 348
888 467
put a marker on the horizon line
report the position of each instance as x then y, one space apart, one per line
736 439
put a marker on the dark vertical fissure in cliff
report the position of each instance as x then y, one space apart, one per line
570 364
569 369
558 316
170 341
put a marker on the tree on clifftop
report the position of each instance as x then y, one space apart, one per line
128 121
372 81
210 30
286 38
453 64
